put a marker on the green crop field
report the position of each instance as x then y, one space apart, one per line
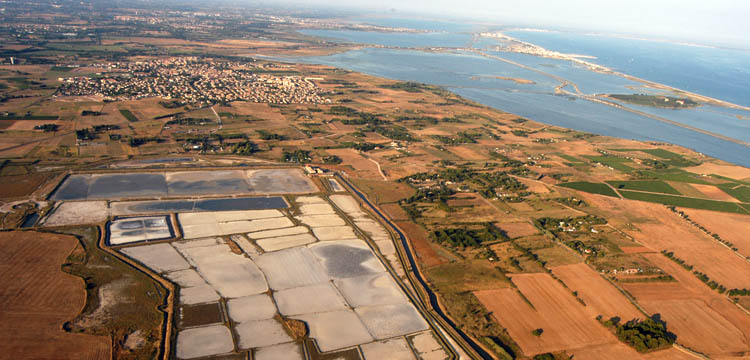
656 186
129 115
672 175
740 192
612 161
686 202
29 117
589 187
570 158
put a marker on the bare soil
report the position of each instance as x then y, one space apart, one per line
38 298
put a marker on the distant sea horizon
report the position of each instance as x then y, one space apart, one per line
712 72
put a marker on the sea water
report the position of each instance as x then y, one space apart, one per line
475 77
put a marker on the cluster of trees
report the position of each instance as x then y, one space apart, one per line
462 238
91 113
682 263
297 156
47 127
394 132
711 283
332 159
189 121
643 335
438 194
498 180
267 135
105 127
553 224
408 86
462 137
245 148
739 292
138 141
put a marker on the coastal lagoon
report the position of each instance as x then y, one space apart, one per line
478 77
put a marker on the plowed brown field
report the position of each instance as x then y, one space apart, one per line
731 227
37 298
702 319
712 192
566 323
596 292
660 229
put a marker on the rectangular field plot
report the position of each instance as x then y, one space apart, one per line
280 232
336 329
204 341
345 259
396 349
335 186
259 333
291 268
284 242
230 274
288 351
309 299
180 206
387 321
131 230
251 308
78 213
159 257
566 324
200 315
185 183
198 225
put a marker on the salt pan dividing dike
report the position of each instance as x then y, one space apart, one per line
264 266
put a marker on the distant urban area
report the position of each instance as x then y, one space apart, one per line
192 80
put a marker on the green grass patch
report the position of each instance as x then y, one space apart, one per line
672 159
686 202
740 192
61 68
29 117
128 115
656 186
570 158
589 187
670 175
612 161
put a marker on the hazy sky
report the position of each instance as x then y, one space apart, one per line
725 21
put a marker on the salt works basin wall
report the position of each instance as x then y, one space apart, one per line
183 183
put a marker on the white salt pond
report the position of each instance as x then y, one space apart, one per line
367 290
309 299
291 268
334 233
251 308
347 258
284 242
78 213
130 230
288 351
230 274
204 341
387 321
336 329
394 349
159 257
253 334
